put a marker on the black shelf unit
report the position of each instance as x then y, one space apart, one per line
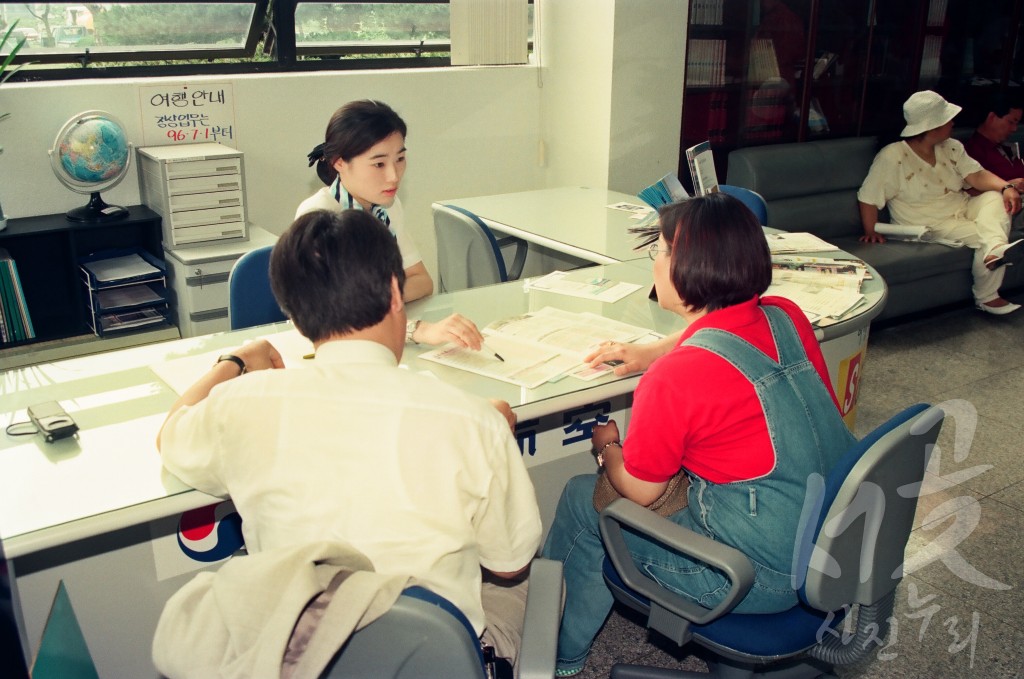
877 53
47 250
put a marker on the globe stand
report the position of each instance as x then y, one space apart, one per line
97 211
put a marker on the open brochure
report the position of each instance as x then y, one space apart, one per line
918 234
538 346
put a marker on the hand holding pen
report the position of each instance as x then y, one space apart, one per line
455 328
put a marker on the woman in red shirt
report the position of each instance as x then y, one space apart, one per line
741 403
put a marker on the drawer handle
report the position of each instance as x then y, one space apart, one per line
208 279
230 218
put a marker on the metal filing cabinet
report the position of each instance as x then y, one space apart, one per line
198 189
198 279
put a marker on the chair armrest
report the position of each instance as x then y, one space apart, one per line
522 246
543 617
732 562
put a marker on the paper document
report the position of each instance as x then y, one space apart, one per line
128 295
538 346
601 289
118 268
797 242
818 302
914 233
525 364
182 373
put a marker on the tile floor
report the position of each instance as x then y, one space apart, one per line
960 610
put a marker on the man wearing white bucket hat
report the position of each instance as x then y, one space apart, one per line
922 179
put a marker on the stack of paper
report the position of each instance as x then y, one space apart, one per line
797 242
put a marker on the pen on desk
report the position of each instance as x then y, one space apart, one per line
496 354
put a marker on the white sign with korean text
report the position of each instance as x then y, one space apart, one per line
187 114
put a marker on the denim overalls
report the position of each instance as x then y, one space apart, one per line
760 515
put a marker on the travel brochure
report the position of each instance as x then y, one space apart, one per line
539 346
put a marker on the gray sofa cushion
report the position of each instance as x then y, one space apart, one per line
810 186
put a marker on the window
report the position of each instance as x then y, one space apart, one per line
64 40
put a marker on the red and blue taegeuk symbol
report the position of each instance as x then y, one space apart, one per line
210 533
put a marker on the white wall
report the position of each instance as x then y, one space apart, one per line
605 109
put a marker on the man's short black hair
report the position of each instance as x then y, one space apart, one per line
1003 103
331 272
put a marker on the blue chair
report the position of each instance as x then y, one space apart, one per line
855 527
424 635
468 253
752 199
250 300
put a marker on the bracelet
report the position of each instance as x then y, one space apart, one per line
599 454
234 359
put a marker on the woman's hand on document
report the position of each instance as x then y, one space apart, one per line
631 358
456 328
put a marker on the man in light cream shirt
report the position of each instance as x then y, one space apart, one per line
423 479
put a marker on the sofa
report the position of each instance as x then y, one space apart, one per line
812 186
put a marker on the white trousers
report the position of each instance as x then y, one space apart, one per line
983 226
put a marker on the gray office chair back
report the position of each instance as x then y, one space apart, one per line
424 636
468 253
859 545
250 299
418 637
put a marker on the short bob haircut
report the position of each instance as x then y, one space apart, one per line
352 130
331 272
719 255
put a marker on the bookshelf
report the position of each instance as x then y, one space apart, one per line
48 250
776 71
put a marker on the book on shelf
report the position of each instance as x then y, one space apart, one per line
937 12
14 314
705 62
706 12
702 168
763 64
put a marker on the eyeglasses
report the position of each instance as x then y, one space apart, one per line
654 251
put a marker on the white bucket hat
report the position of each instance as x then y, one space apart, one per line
925 111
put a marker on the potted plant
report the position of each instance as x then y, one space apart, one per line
5 74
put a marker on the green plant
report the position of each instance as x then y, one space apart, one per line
4 73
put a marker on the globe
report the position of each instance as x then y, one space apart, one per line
92 154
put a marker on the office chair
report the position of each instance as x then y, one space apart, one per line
752 199
855 526
250 300
423 636
468 254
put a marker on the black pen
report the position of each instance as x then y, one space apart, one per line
496 354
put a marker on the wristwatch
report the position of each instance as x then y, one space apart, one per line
1008 186
234 359
410 328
